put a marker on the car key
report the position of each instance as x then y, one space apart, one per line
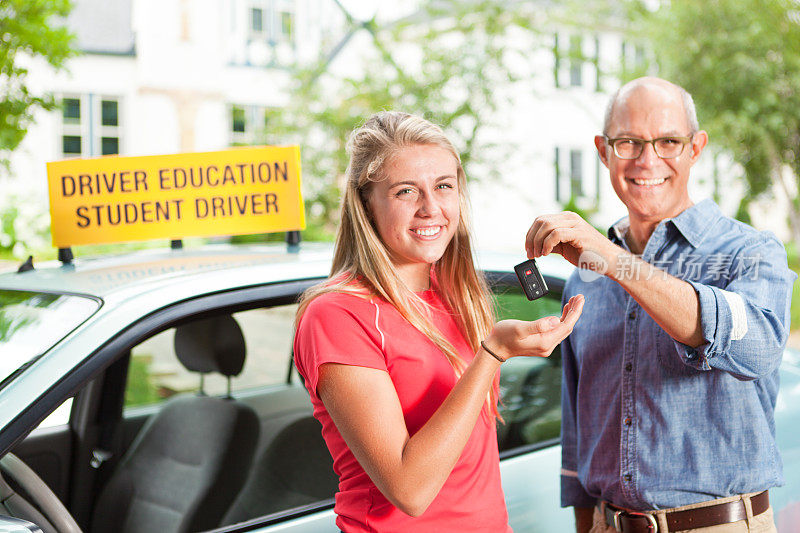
531 279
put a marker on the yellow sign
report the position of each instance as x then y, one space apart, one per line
233 192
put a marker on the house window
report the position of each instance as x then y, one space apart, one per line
598 86
256 20
71 145
238 119
287 22
109 145
576 61
556 62
72 110
557 172
90 126
110 113
640 57
248 124
635 59
569 175
576 173
72 131
272 20
270 36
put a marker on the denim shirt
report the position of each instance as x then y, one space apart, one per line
650 423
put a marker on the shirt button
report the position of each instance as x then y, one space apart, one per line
627 421
628 367
627 477
632 315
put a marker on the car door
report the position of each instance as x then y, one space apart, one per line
530 390
76 455
528 440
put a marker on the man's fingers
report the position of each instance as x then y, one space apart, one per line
529 241
533 238
540 239
556 237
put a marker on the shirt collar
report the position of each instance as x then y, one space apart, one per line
692 223
617 232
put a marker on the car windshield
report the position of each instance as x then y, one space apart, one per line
32 322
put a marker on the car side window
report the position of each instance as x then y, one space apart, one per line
530 387
155 373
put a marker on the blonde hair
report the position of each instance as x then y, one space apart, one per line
362 264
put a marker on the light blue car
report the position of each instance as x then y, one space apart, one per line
154 392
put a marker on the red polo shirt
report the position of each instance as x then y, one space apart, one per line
347 329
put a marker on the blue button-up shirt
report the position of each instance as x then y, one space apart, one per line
650 423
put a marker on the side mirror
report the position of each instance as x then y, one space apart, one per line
9 524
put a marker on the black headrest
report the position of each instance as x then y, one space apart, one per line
211 345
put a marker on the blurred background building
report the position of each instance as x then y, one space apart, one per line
164 76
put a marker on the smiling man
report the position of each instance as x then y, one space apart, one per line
670 379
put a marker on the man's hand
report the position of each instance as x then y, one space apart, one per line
671 302
568 235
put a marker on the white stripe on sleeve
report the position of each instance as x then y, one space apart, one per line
378 314
738 314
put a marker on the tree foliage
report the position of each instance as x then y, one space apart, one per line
446 62
740 60
29 29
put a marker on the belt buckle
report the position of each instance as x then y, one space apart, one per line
652 524
617 524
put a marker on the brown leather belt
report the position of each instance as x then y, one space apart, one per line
712 515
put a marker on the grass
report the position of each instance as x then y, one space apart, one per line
140 389
794 264
514 304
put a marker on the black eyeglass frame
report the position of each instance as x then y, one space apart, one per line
641 142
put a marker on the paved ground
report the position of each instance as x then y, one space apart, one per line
268 337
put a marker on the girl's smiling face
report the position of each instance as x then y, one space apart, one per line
416 209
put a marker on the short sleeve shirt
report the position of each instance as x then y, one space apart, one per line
347 329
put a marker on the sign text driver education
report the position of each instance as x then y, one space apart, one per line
231 192
174 179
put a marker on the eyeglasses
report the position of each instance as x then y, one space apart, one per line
665 147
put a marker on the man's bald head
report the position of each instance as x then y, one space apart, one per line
652 84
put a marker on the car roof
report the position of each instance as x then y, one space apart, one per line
147 270
217 265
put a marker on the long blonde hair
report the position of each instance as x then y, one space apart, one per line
362 264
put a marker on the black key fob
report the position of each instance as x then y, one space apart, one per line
531 279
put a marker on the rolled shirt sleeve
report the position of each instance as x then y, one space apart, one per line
745 322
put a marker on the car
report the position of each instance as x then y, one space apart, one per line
122 407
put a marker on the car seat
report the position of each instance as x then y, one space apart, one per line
190 459
294 469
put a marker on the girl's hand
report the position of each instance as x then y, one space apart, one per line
513 338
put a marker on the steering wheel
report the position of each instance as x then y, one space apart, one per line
42 498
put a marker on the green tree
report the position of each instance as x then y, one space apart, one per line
740 59
451 62
29 30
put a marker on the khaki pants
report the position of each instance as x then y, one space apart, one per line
763 523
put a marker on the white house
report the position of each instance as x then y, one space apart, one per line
163 76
